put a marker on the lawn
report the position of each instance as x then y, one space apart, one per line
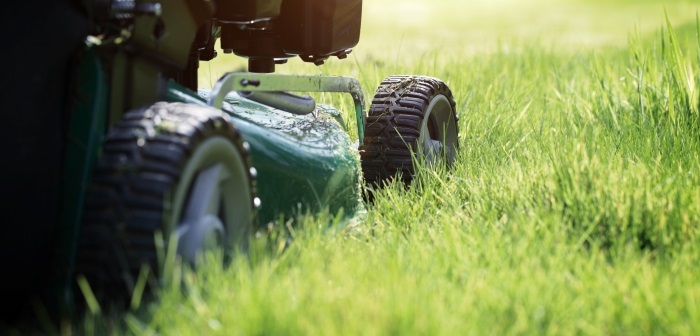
573 207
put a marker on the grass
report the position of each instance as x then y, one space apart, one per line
573 207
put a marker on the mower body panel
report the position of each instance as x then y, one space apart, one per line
304 163
86 128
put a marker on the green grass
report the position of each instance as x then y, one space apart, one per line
573 208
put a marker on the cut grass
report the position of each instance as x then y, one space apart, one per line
573 208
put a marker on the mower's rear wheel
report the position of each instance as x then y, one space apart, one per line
179 169
409 115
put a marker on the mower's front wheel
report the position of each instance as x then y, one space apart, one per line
182 170
409 115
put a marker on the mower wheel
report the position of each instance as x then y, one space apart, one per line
409 115
179 169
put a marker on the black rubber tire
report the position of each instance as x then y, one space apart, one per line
394 123
133 189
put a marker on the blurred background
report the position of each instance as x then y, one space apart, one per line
403 33
479 25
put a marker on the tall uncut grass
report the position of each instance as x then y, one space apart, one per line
573 208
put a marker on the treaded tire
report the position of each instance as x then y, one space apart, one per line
139 181
396 127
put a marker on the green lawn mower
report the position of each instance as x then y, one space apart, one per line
123 146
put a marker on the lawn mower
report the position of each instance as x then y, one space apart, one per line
136 150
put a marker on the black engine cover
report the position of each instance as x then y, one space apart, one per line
320 27
246 10
279 29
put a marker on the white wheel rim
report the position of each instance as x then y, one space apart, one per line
441 139
212 204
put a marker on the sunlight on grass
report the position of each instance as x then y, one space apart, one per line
573 206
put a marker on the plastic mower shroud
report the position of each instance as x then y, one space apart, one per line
150 162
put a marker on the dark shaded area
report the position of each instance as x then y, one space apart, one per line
39 40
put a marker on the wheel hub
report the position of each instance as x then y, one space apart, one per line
201 227
206 233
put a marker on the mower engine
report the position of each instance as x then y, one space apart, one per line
269 32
